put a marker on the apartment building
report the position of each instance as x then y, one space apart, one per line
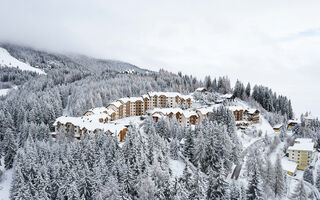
302 152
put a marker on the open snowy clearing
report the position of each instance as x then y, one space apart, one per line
4 92
177 167
7 60
5 183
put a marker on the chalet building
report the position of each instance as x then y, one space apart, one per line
292 123
132 106
190 118
227 97
277 127
100 119
98 110
147 103
169 100
238 113
290 167
118 109
308 119
204 113
185 117
302 152
201 89
80 126
252 115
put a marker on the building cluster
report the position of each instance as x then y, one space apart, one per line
243 117
300 155
111 119
291 124
103 119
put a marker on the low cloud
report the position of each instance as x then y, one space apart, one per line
275 43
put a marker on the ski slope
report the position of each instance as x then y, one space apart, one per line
6 60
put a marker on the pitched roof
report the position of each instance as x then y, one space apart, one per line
288 165
90 124
302 146
277 126
115 103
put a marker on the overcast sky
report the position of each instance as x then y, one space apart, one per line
273 42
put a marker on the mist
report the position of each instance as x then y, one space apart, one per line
274 43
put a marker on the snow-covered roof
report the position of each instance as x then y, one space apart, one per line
97 116
205 110
293 121
157 115
189 113
252 111
227 96
131 99
302 146
200 89
116 104
90 124
186 96
278 126
145 96
235 108
303 140
310 117
98 110
166 111
288 165
167 94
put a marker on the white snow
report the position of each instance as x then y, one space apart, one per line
288 165
302 146
7 60
4 92
176 167
5 183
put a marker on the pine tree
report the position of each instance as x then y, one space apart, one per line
174 148
235 192
278 187
197 189
268 175
308 175
317 183
299 192
189 144
10 149
217 186
111 190
248 90
254 189
147 189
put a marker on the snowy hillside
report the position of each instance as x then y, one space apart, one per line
6 60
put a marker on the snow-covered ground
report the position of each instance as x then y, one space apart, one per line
176 167
7 60
4 92
5 182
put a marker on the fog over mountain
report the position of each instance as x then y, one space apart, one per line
271 43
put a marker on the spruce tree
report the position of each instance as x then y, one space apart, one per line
10 148
299 192
217 186
235 192
308 175
278 186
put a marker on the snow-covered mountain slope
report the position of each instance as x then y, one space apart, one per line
6 60
50 60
